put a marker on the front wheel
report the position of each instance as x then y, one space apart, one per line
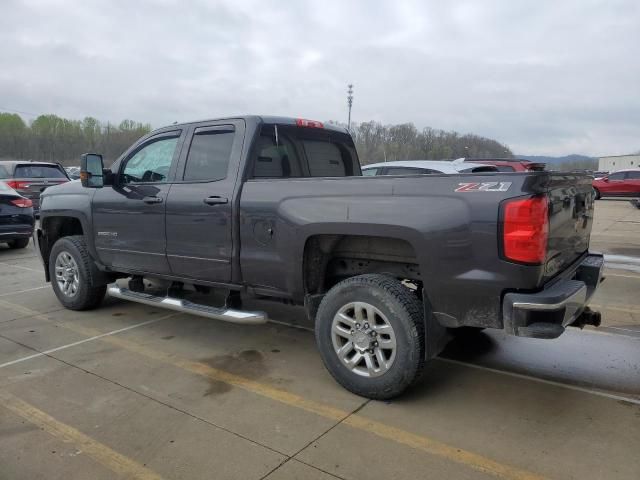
370 333
597 192
69 270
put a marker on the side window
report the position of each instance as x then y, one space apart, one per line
633 175
4 173
505 168
617 176
151 163
370 172
209 155
276 160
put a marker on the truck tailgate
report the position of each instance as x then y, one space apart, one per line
571 199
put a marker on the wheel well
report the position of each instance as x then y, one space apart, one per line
328 259
54 228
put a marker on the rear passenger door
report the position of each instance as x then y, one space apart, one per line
199 217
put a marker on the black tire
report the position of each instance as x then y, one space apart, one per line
598 196
87 296
403 311
18 243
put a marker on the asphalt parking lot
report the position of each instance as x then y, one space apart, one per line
128 391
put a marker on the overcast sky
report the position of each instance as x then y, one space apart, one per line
544 77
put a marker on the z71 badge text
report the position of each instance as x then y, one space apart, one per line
483 187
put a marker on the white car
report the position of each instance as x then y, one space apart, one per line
425 167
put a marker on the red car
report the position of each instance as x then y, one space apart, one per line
508 164
624 183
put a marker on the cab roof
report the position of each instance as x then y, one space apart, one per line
266 119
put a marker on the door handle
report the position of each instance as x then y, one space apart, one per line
151 200
213 200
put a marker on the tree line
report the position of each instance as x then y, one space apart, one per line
54 139
376 142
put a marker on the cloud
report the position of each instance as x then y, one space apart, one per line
543 77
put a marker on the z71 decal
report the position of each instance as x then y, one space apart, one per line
483 187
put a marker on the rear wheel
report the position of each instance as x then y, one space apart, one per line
370 333
70 272
18 243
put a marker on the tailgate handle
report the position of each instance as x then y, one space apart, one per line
214 200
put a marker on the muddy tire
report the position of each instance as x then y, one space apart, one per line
70 273
370 333
18 243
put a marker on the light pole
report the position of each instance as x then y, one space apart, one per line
350 103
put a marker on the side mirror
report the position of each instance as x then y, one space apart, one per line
91 170
605 179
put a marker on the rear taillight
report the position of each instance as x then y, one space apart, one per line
525 230
15 184
22 202
301 122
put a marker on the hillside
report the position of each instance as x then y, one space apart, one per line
566 163
557 160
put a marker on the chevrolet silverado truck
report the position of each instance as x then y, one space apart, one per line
387 267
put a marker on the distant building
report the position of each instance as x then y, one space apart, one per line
618 162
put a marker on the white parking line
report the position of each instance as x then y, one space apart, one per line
63 347
609 274
599 393
23 291
21 267
621 259
636 332
517 375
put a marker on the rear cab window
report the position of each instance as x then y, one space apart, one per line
39 171
286 151
4 172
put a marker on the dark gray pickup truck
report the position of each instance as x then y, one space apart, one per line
387 267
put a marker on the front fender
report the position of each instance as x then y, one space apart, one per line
70 200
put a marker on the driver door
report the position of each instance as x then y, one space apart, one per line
129 216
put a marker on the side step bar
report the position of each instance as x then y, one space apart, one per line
179 305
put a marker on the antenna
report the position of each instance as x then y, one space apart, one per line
350 103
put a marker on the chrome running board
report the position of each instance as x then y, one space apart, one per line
179 305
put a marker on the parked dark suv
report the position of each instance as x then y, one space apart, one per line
29 179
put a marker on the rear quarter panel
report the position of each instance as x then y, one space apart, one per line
453 234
